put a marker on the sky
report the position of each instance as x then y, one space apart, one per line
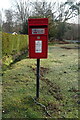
6 4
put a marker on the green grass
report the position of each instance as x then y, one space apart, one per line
58 86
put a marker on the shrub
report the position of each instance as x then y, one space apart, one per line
11 44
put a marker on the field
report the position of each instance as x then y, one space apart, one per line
58 85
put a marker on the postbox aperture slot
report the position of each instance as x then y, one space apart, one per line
43 26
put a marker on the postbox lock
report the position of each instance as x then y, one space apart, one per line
38 37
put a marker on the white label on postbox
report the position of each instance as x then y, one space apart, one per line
38 31
38 46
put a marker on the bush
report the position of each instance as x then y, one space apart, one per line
12 47
12 44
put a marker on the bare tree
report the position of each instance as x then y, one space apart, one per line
67 11
57 11
8 25
53 10
9 16
22 11
42 8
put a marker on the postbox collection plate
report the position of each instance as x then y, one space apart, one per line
38 46
38 31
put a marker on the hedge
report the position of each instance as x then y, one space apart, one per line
12 44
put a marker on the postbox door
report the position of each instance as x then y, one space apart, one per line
38 46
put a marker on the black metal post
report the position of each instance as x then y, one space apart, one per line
37 79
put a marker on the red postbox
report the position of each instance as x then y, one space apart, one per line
38 37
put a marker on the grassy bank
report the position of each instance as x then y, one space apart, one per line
58 85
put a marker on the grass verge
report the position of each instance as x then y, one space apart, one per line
58 86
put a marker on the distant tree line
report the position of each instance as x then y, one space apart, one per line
57 13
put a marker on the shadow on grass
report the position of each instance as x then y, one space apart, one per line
19 58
